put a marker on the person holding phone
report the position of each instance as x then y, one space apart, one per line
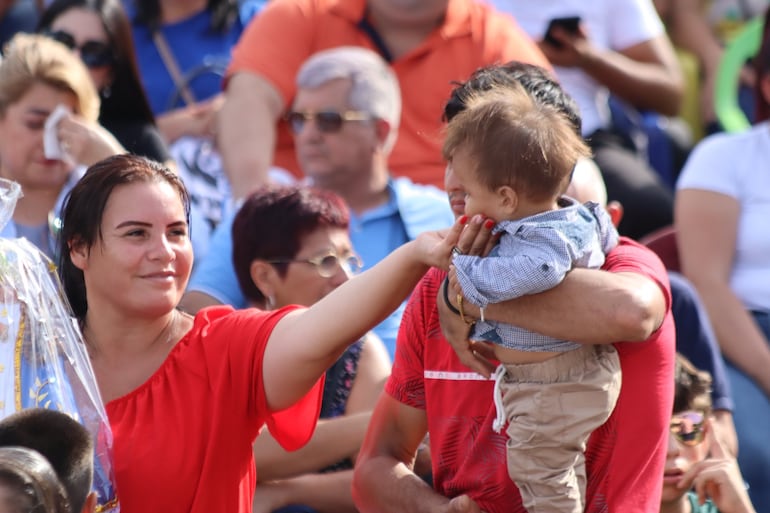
618 48
568 24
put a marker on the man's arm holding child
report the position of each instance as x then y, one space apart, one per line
589 306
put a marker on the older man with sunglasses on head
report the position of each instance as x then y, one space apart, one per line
345 121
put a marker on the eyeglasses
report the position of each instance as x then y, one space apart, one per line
94 54
327 122
689 428
327 265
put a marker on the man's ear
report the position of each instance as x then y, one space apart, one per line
90 505
615 210
383 130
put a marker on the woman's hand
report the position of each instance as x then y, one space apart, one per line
468 237
197 120
85 142
435 248
476 238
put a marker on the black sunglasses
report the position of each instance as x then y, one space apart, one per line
326 121
94 54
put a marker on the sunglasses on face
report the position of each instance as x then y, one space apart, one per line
327 121
688 428
327 265
94 54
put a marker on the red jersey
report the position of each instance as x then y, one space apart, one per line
183 439
624 458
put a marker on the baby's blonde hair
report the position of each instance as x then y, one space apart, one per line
516 141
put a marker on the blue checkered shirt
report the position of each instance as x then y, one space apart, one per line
534 254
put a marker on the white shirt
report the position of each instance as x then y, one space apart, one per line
737 165
611 24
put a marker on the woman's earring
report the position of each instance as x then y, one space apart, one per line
269 302
106 91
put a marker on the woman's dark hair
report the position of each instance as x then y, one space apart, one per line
30 482
126 99
84 210
271 223
223 14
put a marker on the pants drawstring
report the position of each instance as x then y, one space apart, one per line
500 419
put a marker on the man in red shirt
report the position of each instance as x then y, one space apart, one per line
432 390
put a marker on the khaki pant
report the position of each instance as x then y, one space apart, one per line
552 407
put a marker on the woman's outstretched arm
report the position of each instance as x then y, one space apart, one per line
306 342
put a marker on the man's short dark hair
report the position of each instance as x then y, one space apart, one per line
63 441
537 81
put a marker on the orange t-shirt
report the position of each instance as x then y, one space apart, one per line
183 439
287 32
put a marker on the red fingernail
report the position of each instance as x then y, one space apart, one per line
463 219
488 224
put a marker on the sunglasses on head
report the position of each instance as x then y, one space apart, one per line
94 54
326 121
689 427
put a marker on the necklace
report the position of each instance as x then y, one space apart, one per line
166 336
168 329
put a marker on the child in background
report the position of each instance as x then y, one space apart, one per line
716 481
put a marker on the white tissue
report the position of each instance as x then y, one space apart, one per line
51 145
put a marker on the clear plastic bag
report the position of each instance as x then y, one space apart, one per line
43 358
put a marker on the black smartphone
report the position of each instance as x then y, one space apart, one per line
569 23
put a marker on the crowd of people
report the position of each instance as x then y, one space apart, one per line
367 256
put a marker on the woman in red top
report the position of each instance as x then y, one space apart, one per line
187 396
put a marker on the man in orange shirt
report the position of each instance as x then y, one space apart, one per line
429 43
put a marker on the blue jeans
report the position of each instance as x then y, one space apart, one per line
752 422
